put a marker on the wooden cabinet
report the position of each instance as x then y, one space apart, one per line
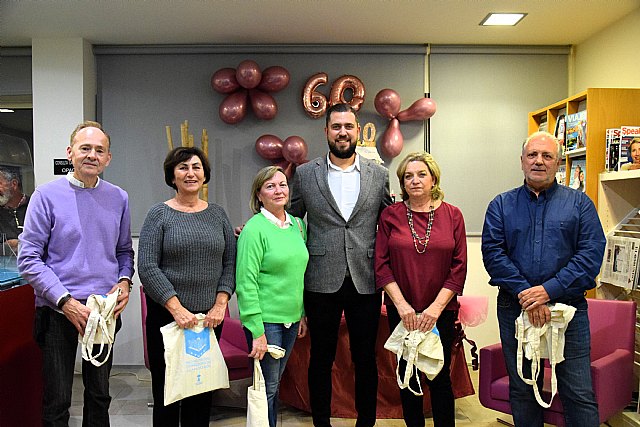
606 108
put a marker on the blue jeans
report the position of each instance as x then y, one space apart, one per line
272 369
58 339
573 374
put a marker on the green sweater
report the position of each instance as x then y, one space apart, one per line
270 267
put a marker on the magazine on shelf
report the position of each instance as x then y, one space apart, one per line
627 134
620 264
578 174
561 174
576 130
559 132
612 154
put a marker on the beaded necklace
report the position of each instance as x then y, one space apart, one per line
423 241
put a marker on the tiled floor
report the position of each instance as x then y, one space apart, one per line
131 389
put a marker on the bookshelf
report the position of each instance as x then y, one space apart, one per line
606 108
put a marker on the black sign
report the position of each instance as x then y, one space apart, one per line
62 166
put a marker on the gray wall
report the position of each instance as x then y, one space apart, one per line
483 96
141 91
481 121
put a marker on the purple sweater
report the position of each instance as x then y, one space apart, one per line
75 240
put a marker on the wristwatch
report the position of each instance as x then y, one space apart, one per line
63 301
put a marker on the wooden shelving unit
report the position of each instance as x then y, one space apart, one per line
606 108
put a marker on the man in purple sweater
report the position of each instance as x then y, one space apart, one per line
76 242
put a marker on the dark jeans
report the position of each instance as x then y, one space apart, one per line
440 388
573 374
58 339
189 412
272 369
362 313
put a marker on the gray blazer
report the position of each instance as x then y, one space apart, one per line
333 242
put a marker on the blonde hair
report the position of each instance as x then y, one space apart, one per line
434 170
264 175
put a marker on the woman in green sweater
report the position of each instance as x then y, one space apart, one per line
271 261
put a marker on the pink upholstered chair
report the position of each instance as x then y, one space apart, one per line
233 344
612 351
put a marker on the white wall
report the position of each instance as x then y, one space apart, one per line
64 82
610 58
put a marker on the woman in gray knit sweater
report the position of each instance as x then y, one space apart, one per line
186 262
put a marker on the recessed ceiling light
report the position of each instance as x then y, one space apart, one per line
6 110
502 18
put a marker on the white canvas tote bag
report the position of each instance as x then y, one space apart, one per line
100 328
257 408
546 341
194 362
421 350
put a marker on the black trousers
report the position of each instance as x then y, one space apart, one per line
58 339
440 388
189 412
362 314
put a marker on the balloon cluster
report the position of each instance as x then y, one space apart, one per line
315 103
387 104
287 154
248 84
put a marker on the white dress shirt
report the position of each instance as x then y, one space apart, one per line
345 185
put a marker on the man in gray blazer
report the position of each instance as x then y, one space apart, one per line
342 195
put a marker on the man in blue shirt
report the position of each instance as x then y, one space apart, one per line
543 243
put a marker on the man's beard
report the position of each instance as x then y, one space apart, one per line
343 154
4 198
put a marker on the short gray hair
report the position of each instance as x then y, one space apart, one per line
541 134
10 173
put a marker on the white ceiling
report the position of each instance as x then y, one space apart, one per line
549 22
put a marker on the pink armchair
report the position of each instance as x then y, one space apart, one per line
233 344
612 326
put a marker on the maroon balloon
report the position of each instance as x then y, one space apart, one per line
387 103
234 107
263 104
274 79
289 170
269 147
295 149
224 80
392 139
282 162
288 167
248 74
422 109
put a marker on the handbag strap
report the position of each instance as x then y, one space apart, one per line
299 227
95 322
258 377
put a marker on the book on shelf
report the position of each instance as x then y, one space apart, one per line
561 174
627 135
612 151
620 264
578 175
576 131
544 124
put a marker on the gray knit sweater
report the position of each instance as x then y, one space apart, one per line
189 255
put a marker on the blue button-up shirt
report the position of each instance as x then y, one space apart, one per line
554 240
